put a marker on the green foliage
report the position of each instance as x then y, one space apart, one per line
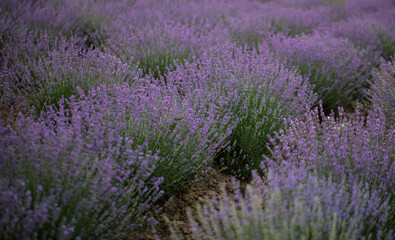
52 94
331 94
259 117
179 161
185 138
334 2
62 72
382 89
251 40
158 65
388 45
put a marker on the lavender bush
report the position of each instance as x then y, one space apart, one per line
382 90
23 53
354 148
156 45
57 74
358 7
361 31
297 20
338 71
250 25
294 204
386 31
36 37
370 31
55 186
253 23
69 19
266 93
184 131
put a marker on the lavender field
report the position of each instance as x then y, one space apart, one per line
197 119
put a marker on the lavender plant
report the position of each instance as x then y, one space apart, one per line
293 204
249 24
68 19
55 185
354 148
58 73
301 4
358 7
297 19
184 131
386 31
372 31
18 48
266 93
382 89
36 34
338 70
252 23
156 47
361 31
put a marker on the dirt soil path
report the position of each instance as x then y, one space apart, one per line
209 186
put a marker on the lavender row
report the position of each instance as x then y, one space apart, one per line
95 165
